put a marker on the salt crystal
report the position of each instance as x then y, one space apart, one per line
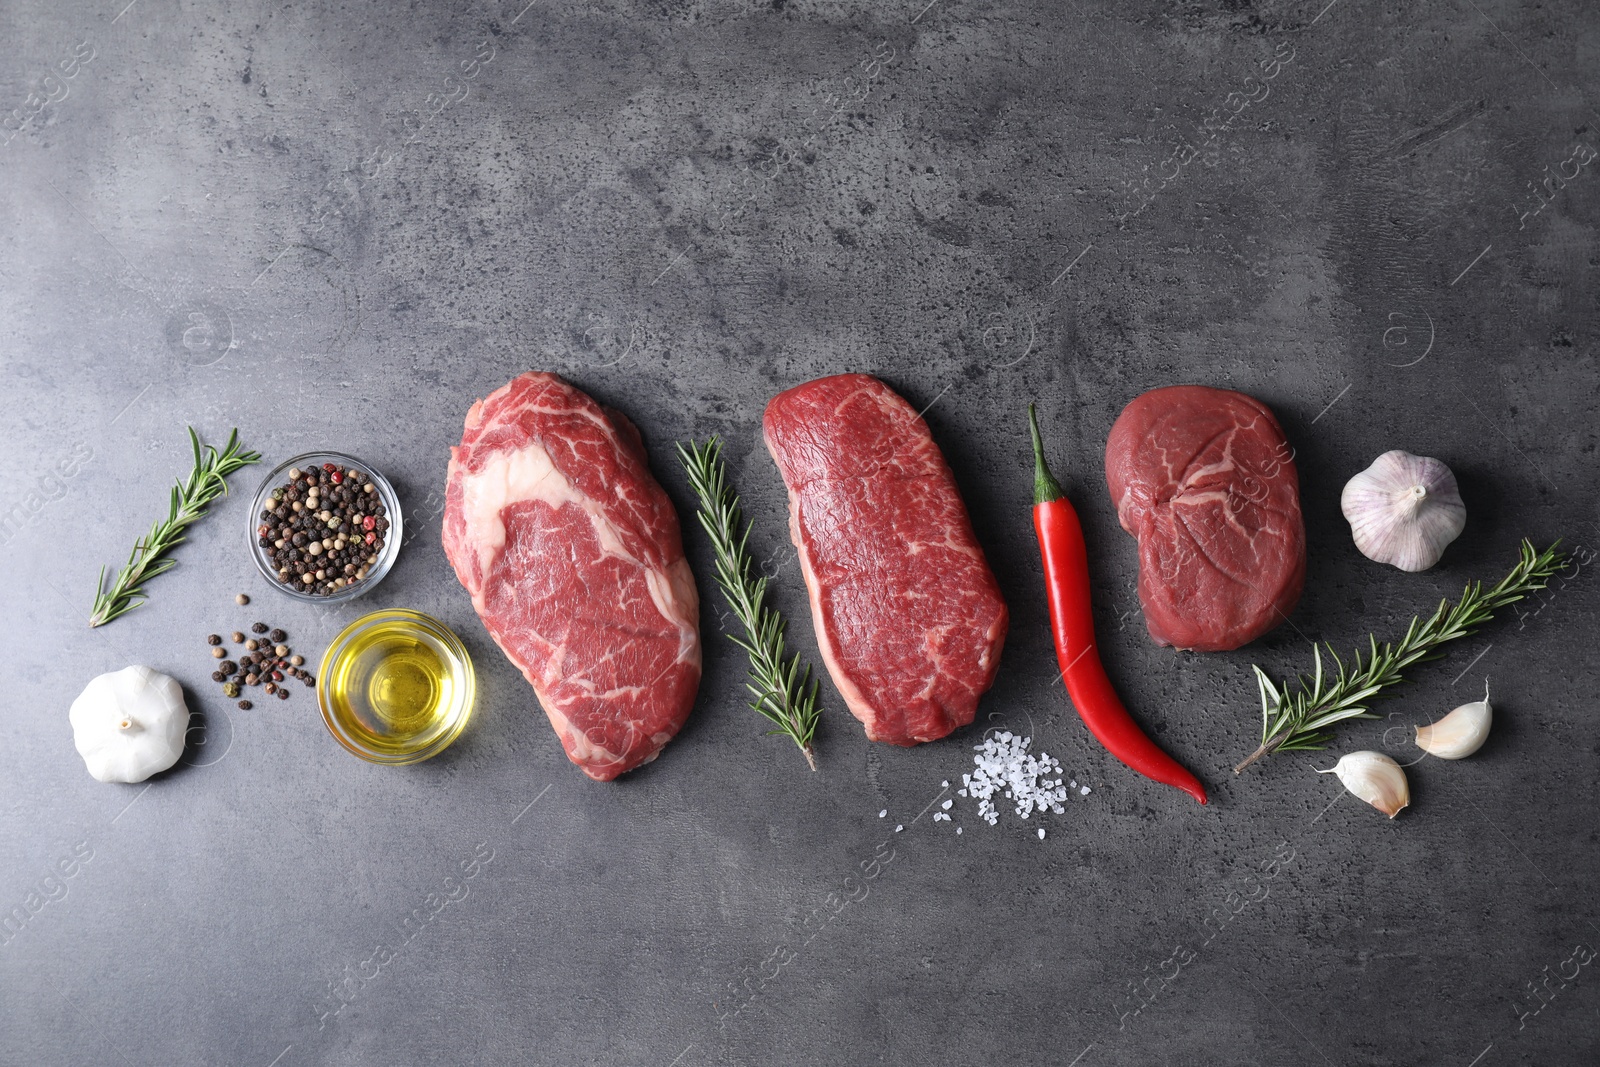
897 829
1084 791
882 813
958 829
944 785
1041 833
1004 765
946 805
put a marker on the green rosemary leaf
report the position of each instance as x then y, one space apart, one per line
784 693
1296 720
187 503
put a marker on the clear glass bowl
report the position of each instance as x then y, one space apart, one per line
396 687
391 543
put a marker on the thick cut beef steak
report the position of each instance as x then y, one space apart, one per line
1205 480
908 617
574 560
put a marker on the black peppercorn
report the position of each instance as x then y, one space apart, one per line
258 628
245 705
213 640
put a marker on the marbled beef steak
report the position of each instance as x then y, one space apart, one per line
908 617
574 560
1205 480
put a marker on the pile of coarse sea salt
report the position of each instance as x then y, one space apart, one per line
1004 765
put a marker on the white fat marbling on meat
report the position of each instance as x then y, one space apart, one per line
674 594
506 478
827 640
578 746
529 474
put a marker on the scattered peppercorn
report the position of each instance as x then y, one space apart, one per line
245 705
297 660
241 599
260 663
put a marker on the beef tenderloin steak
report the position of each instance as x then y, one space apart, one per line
1206 481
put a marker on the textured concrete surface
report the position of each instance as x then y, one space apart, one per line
335 225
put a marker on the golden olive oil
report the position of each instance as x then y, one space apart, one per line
394 689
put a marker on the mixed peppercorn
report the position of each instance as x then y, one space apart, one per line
323 530
265 661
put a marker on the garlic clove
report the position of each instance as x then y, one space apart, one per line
1404 510
1460 733
1375 778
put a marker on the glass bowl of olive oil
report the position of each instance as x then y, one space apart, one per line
396 687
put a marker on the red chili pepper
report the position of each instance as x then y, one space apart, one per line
1066 571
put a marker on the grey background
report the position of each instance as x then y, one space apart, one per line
250 214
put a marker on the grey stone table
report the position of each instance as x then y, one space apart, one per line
335 225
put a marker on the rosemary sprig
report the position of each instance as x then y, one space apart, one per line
205 483
783 692
1299 720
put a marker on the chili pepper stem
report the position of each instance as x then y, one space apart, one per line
1045 486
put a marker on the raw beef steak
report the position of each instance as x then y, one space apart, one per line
574 560
1205 480
908 617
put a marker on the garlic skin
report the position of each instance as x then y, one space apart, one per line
129 724
1460 733
1375 778
1403 510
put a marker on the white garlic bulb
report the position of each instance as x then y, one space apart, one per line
1460 733
1404 510
1375 778
129 724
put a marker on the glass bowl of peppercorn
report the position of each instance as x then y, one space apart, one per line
325 527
